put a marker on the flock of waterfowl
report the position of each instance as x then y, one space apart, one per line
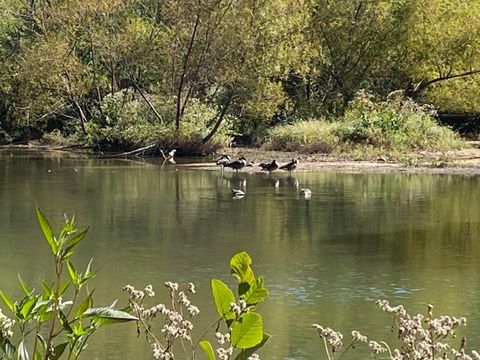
226 162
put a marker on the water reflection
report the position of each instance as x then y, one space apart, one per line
409 238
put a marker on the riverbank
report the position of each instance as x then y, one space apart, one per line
464 161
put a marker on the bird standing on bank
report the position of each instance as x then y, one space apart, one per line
271 166
291 166
222 160
237 164
170 156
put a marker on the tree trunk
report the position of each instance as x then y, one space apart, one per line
184 72
150 105
418 89
219 121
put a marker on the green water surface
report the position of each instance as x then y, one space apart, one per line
411 239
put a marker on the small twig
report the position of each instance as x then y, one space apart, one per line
136 151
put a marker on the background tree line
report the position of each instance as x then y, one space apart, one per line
200 67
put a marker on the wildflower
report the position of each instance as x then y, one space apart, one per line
239 308
460 355
356 336
157 350
333 338
191 288
6 325
253 357
193 310
182 299
134 294
149 291
222 338
173 286
376 347
224 354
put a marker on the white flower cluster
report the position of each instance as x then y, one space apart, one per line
239 308
224 354
333 338
136 295
422 336
376 347
175 325
222 338
357 337
6 325
160 353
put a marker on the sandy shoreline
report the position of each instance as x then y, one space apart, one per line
465 161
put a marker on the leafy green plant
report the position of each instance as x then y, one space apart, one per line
242 333
51 325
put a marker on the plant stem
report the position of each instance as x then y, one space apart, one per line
326 348
36 339
346 349
388 349
58 272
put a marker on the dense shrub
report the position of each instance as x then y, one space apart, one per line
397 125
125 122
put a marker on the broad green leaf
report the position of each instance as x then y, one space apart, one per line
112 305
42 311
58 351
84 305
24 286
47 291
72 272
22 351
208 349
247 332
63 287
64 321
78 329
41 342
88 270
240 267
74 241
47 231
7 301
246 353
223 297
256 292
106 313
88 274
28 306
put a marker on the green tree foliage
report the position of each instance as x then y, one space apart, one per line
260 62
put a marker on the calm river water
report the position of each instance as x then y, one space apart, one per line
411 239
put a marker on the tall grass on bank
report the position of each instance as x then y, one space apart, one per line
397 125
305 136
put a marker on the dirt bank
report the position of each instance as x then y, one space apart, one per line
466 161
